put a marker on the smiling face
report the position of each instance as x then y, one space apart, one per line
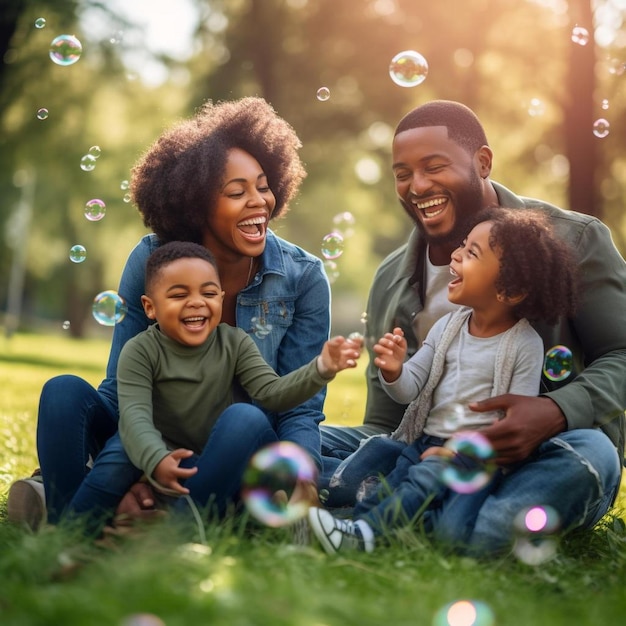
237 226
185 298
440 184
475 267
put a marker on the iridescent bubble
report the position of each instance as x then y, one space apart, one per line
471 467
558 363
124 185
88 163
454 417
40 22
95 210
260 327
331 269
95 151
344 224
332 245
65 50
270 480
109 308
535 530
465 613
142 619
580 35
323 94
601 128
78 253
408 68
66 325
536 107
42 114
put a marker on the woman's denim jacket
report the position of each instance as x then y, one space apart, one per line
285 309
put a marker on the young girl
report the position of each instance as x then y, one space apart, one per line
509 270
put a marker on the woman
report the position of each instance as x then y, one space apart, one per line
216 179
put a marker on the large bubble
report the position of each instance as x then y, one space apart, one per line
332 245
408 68
109 308
557 364
471 466
270 481
95 210
65 50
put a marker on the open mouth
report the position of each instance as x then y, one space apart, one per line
195 322
431 208
456 279
253 227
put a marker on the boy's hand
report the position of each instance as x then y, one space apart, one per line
168 472
338 354
390 354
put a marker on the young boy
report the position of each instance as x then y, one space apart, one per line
510 269
178 423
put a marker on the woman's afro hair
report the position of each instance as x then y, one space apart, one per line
534 262
175 183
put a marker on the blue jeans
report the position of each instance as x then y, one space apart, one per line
239 432
413 486
576 472
74 423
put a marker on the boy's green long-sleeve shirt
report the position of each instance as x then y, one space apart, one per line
171 395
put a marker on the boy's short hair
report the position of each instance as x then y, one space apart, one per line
172 251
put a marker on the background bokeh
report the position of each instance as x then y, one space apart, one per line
539 73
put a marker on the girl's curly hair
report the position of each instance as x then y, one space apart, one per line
534 262
176 182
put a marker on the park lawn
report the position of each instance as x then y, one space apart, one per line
241 573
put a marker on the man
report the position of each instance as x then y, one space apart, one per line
564 448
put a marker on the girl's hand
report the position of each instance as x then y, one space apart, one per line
338 354
168 472
390 354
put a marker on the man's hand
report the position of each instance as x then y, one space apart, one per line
528 422
137 504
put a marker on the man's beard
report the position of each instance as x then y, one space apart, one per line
467 203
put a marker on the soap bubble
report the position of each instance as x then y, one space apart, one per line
127 198
605 104
260 328
408 68
66 325
109 308
535 530
536 107
42 114
580 35
95 210
270 480
78 253
95 151
65 50
465 613
88 163
323 94
331 269
343 224
558 363
454 417
40 22
332 245
142 619
601 128
124 185
471 467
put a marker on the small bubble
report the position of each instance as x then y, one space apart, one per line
605 104
535 530
66 325
95 210
557 363
142 619
601 128
124 185
78 253
88 163
260 328
127 198
465 613
109 308
580 35
408 68
343 224
331 269
270 481
332 245
95 151
536 107
40 22
42 114
65 50
323 94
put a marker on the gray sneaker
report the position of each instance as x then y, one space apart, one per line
26 503
337 535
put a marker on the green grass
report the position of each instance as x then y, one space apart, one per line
249 575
